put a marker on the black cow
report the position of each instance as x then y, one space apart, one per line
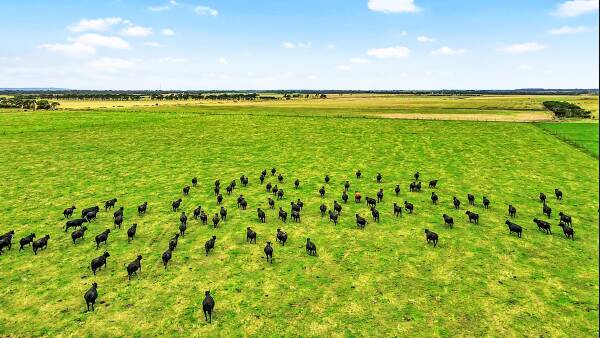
380 196
176 204
182 229
512 227
26 240
448 220
262 179
409 206
512 211
327 179
322 191
417 175
134 266
280 178
194 181
567 230
243 204
273 171
397 210
280 194
379 177
110 204
371 202
333 217
456 202
223 213
98 262
358 174
118 221
434 198
74 223
346 186
204 217
295 216
166 257
210 244
375 214
337 207
558 193
361 222
131 232
282 215
543 197
543 225
197 211
323 209
173 242
471 199
547 210
90 216
296 183
431 237
486 202
281 236
250 235
41 243
183 218
473 217
78 234
118 213
311 248
565 218
269 252
397 189
69 211
433 183
103 237
186 190
86 210
268 187
262 217
344 197
90 296
208 304
142 208
219 199
271 203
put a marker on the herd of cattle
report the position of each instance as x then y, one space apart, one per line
88 215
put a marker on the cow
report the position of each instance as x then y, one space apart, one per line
471 199
409 206
558 193
565 218
250 235
357 197
41 243
473 217
361 222
397 189
282 215
433 183
397 210
269 252
166 257
194 181
358 174
486 202
98 262
90 296
346 186
281 236
547 210
327 179
568 231
379 177
431 237
375 214
175 204
322 191
448 220
74 223
456 202
543 225
216 219
512 227
68 212
434 198
323 209
296 183
102 237
134 266
78 234
371 202
210 244
262 217
543 198
26 240
208 304
333 217
186 190
512 211
380 196
311 248
142 208
110 204
131 232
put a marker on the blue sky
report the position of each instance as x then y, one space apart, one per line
309 44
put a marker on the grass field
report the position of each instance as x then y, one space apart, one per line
582 135
383 280
488 107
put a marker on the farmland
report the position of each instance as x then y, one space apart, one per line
383 280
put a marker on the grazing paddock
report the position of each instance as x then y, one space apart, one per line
383 280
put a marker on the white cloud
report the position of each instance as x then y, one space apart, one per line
576 7
222 61
136 31
359 60
445 50
524 67
312 77
97 40
393 6
523 48
100 24
331 46
205 10
297 44
396 52
159 8
168 32
109 65
568 30
425 39
153 44
76 50
343 68
171 60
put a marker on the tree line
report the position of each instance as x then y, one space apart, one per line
27 103
562 109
